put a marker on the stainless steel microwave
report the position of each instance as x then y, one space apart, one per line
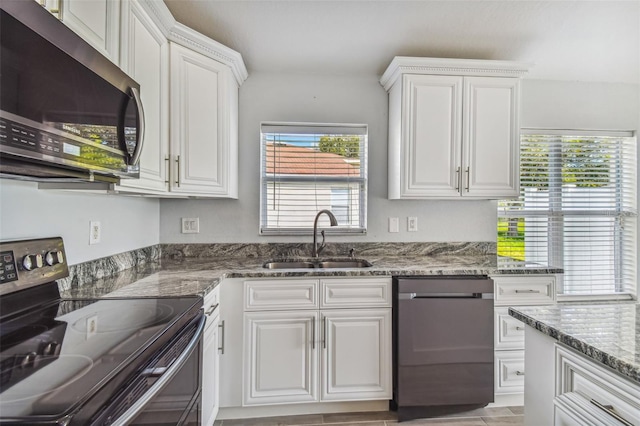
67 113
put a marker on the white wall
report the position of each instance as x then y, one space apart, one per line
322 98
127 223
580 105
361 99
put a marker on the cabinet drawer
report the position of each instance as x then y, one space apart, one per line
356 292
596 389
509 372
524 290
509 332
280 294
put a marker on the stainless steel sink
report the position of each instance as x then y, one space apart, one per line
321 264
350 263
289 265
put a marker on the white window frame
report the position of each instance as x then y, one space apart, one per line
555 251
362 181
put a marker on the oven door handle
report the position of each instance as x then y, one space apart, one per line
139 405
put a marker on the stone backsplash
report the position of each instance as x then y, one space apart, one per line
93 270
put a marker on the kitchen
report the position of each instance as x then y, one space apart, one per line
590 96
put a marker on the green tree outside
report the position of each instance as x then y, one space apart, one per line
345 146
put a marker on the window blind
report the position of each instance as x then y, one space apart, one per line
306 168
576 210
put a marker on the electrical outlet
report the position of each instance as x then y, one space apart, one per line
95 232
394 224
190 225
412 224
92 326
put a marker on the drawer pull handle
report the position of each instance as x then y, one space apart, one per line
612 412
324 333
166 159
468 178
519 373
313 332
212 308
178 174
519 328
221 347
527 291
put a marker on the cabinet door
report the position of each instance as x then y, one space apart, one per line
280 357
145 57
203 138
356 354
491 137
431 128
96 21
210 372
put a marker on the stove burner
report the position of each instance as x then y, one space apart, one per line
30 388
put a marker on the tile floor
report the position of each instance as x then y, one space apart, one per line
498 416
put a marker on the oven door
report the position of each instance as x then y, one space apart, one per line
168 390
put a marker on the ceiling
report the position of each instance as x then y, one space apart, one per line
565 40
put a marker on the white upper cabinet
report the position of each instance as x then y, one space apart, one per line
453 128
96 21
145 57
491 139
204 114
186 79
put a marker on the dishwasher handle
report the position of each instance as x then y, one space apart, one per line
411 296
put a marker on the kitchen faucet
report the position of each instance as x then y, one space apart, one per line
334 222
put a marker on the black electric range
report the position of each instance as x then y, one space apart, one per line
96 361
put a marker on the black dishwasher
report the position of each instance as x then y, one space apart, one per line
442 345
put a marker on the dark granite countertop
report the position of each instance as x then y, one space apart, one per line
609 333
199 275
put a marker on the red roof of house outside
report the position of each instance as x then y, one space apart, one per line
295 160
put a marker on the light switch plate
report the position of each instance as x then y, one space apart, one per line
394 224
95 232
412 224
190 225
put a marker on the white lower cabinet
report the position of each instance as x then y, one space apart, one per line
509 372
571 389
515 290
356 356
211 360
280 357
308 354
590 394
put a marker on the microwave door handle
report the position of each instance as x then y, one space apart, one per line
135 158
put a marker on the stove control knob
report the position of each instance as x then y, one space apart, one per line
32 261
28 360
28 262
54 257
50 349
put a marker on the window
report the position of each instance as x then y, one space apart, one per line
306 168
576 210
